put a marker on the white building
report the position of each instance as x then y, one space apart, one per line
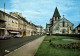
58 25
39 30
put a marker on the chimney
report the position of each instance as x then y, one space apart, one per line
10 13
16 13
20 14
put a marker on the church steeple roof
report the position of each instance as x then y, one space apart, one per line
56 13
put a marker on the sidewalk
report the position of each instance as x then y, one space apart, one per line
28 49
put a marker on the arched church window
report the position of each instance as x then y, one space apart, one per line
67 24
58 18
55 18
63 23
70 28
63 31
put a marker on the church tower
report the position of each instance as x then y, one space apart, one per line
56 16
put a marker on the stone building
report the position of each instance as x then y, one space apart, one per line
39 30
21 23
28 29
76 30
2 23
14 23
25 28
58 25
9 24
34 29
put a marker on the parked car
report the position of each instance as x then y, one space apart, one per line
5 37
18 36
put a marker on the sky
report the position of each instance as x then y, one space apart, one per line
40 11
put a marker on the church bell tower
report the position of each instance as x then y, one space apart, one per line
56 16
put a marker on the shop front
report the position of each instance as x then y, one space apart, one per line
2 31
11 32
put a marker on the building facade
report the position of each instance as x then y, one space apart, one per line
40 30
11 24
76 30
15 23
59 25
2 23
25 28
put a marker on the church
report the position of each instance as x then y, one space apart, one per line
59 25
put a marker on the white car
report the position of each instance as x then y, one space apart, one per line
16 36
5 37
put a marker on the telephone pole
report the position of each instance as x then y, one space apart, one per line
4 5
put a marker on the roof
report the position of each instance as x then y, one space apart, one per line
48 24
8 14
39 26
67 20
23 18
63 19
17 18
56 13
78 26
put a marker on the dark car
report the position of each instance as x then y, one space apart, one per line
5 37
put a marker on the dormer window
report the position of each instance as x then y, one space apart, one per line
12 21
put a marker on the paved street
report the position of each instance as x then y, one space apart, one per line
28 49
14 43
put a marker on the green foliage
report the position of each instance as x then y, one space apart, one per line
62 42
46 49
47 38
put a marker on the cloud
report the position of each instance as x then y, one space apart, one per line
40 11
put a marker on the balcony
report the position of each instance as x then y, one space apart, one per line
2 20
2 25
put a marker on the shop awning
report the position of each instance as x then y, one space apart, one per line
13 32
21 30
2 28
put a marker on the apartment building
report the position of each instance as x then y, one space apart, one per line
34 29
28 29
25 28
9 24
14 23
21 23
2 23
39 29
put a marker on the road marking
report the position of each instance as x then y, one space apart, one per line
7 51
